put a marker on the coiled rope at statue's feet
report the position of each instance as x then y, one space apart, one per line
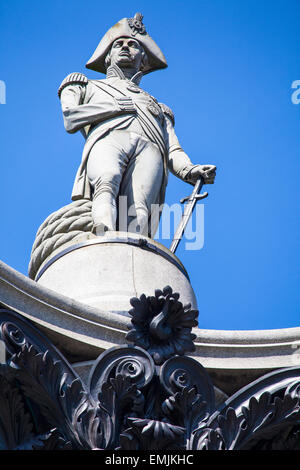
59 228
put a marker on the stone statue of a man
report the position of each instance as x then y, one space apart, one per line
130 140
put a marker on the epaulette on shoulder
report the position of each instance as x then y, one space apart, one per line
166 110
72 78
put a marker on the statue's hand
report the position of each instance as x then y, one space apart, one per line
126 104
207 172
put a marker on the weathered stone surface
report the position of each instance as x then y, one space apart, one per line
106 272
130 144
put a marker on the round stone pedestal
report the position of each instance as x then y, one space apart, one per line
107 271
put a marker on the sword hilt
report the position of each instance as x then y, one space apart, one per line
197 197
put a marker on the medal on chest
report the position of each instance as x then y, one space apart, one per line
154 108
152 104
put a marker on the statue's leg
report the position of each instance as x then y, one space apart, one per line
105 167
141 183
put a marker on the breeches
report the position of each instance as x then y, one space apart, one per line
124 164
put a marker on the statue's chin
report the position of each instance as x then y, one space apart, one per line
125 62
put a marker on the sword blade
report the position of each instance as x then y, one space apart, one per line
188 209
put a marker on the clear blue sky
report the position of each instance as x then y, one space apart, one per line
231 66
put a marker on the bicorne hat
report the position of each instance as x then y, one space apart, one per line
128 27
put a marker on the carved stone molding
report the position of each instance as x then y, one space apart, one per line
233 358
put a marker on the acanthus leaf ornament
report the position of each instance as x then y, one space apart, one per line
147 434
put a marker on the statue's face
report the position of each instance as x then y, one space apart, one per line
127 53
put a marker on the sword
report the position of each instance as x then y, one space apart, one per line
188 209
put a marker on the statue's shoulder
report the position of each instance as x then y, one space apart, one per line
168 111
73 78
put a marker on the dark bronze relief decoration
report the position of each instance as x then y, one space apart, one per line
145 396
162 325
